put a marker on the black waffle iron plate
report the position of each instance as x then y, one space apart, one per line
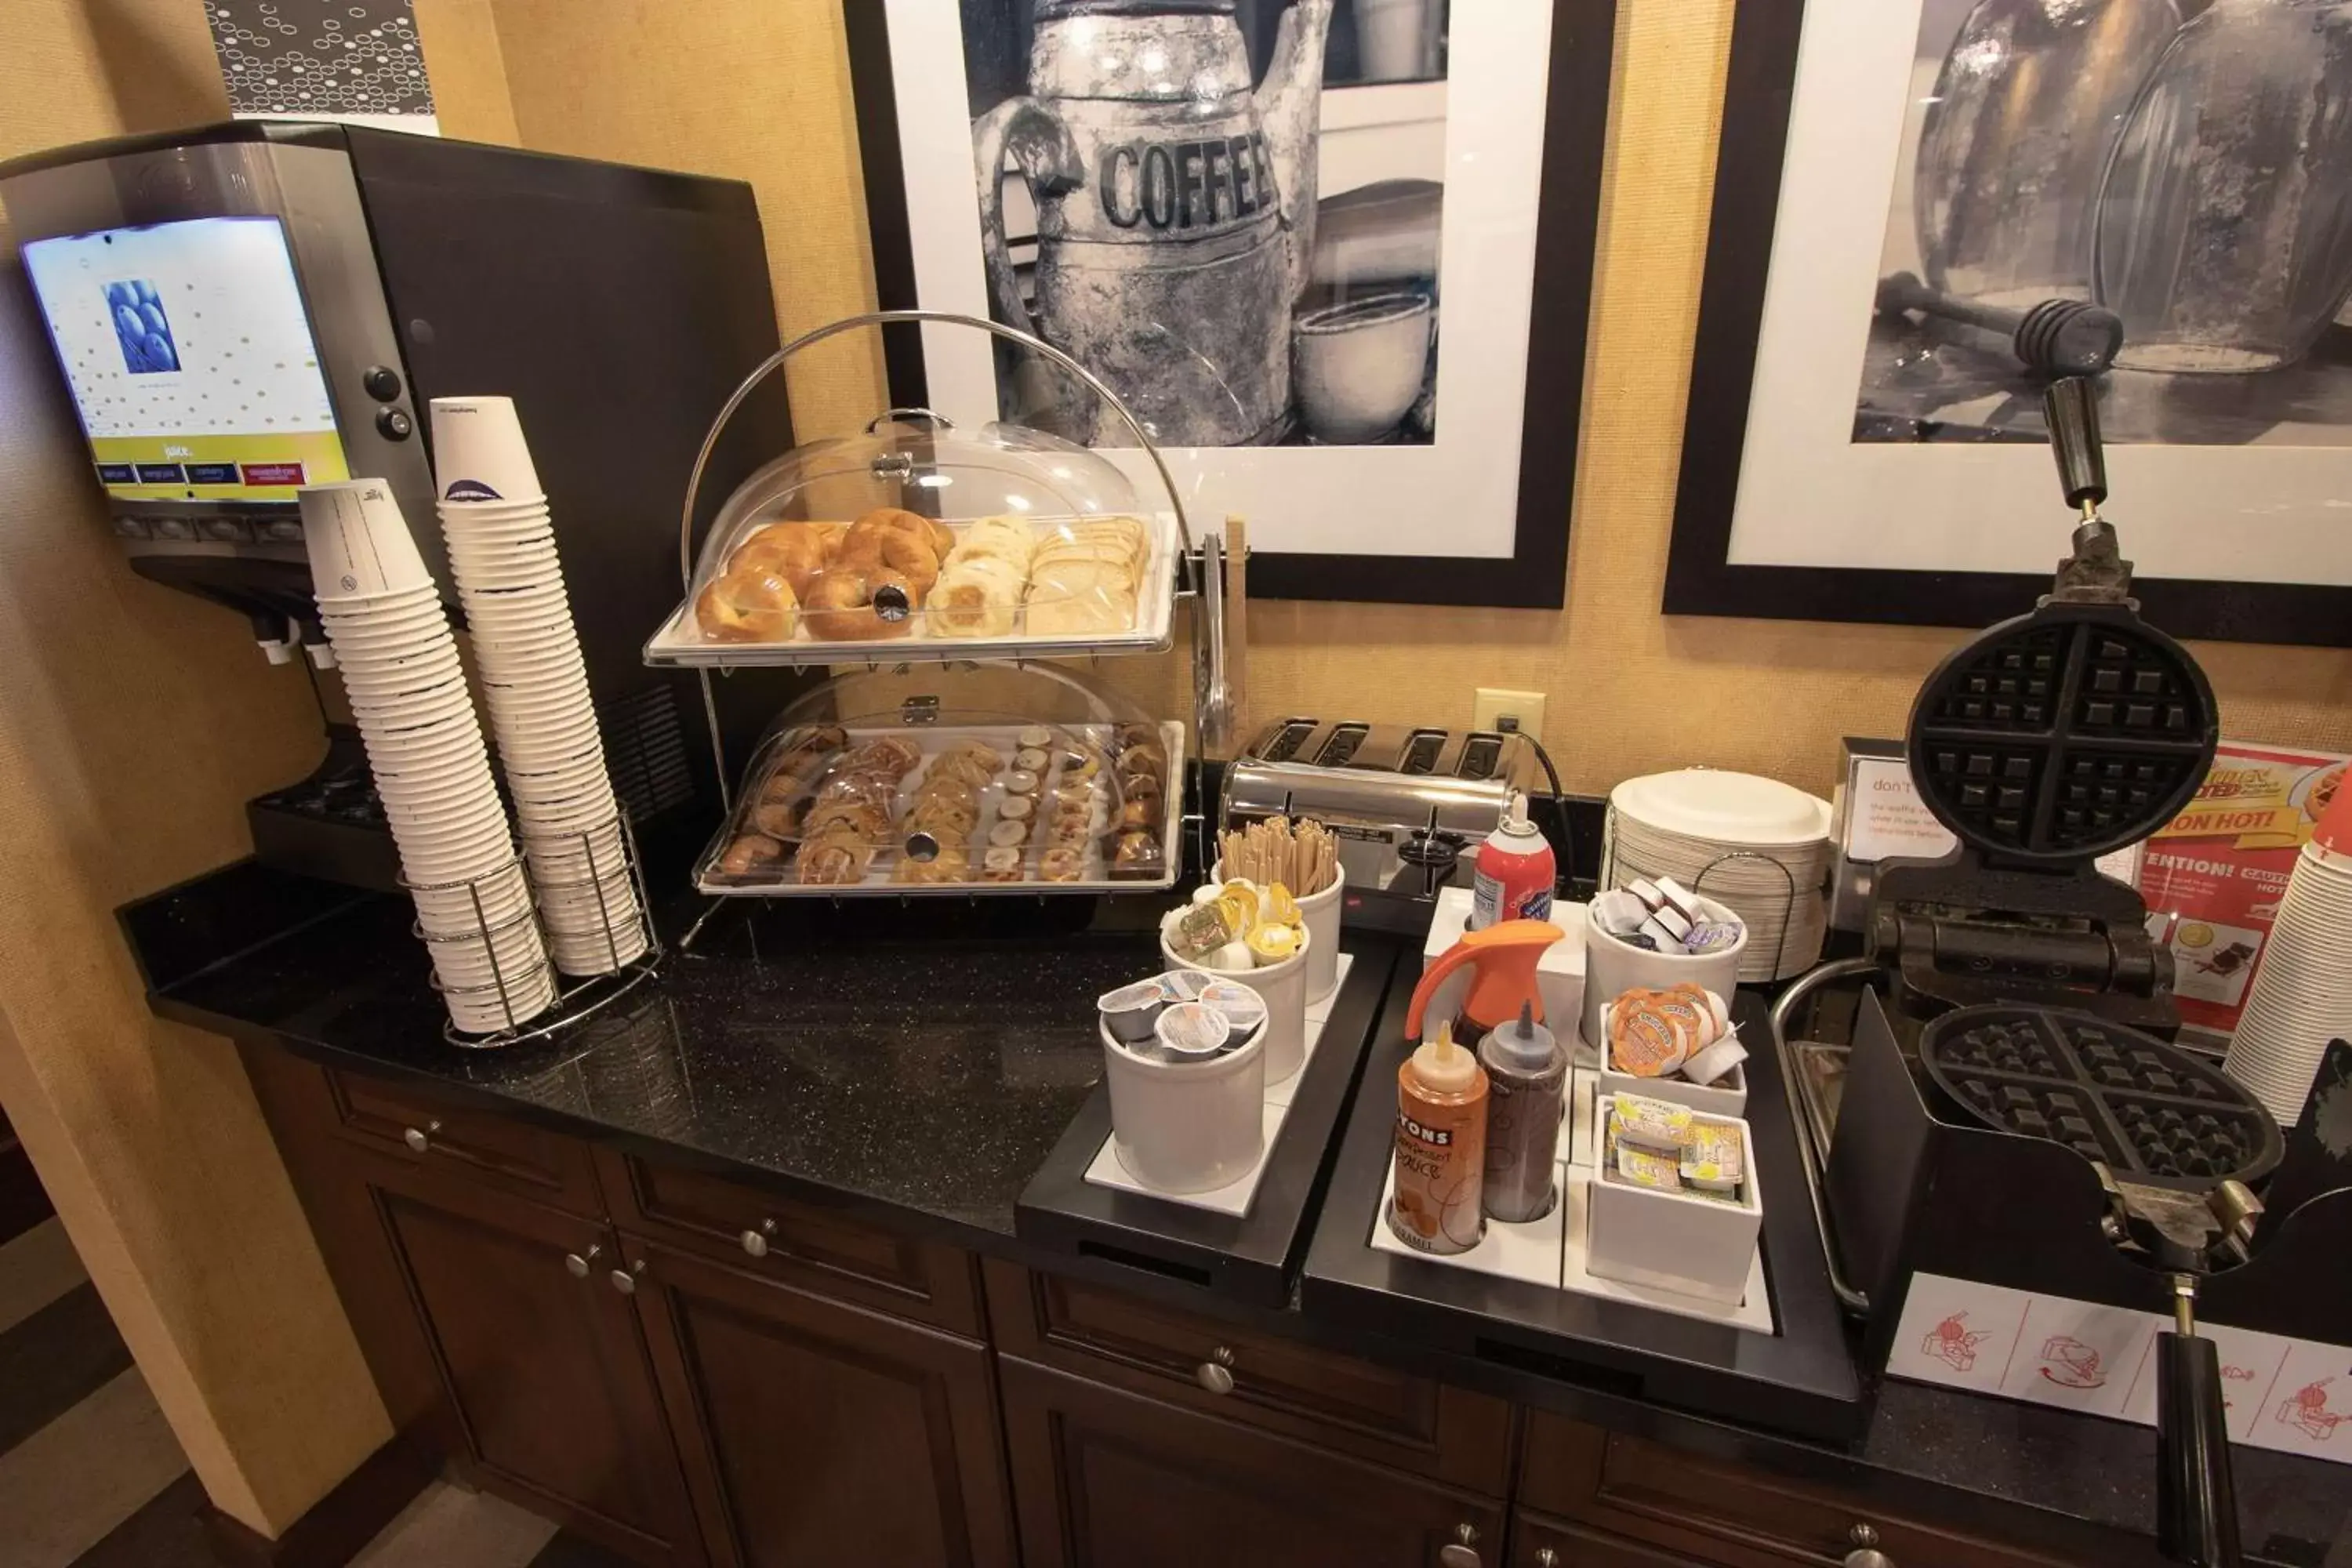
2153 1114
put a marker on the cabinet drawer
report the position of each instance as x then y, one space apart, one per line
1718 1512
1413 1424
530 1162
796 1243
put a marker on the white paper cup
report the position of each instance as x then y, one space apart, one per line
1283 987
596 954
486 514
478 452
389 638
357 541
450 911
1612 967
1188 1127
560 856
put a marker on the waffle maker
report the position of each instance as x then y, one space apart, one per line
2043 743
2027 982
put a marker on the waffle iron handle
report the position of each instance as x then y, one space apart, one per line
2196 1497
2071 406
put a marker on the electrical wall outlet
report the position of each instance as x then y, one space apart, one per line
1520 712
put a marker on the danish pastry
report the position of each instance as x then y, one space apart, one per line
750 856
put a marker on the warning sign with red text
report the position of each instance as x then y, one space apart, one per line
2215 873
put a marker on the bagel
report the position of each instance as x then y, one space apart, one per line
892 549
796 552
840 606
930 531
750 605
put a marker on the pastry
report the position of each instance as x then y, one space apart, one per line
1080 764
1007 834
1011 540
1019 781
796 552
969 762
944 820
914 525
1137 858
999 865
1077 600
751 856
1033 758
748 605
1036 737
874 548
778 819
1016 809
1138 814
841 603
832 861
977 596
950 865
885 752
1063 863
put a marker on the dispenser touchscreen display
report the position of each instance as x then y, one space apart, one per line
190 358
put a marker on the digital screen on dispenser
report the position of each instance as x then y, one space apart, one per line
190 358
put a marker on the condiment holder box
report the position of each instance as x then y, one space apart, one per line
1727 1097
1560 973
1682 1241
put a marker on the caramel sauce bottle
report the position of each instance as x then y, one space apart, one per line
1441 1148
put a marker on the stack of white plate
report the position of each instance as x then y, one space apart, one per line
2302 996
407 693
494 517
1755 844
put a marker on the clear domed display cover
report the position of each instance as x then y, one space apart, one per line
919 540
957 781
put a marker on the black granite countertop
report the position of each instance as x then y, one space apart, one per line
917 1060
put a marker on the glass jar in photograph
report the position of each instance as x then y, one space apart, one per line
2031 98
2224 236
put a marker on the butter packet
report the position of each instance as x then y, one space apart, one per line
1645 1168
1652 1123
1713 1159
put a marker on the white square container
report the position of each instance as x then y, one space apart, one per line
1559 973
1727 1097
1675 1241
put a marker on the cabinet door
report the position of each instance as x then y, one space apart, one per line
549 1395
1107 1479
818 1434
1540 1542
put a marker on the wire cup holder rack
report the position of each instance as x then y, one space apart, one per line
511 985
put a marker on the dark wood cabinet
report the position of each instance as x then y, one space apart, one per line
1540 1542
1104 1479
1376 1412
690 1369
549 1389
1709 1511
816 1433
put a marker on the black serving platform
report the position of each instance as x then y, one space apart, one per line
1251 1257
1800 1378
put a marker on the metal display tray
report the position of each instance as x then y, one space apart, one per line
679 644
933 739
1801 1378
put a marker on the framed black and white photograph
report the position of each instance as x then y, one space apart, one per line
1335 255
1904 186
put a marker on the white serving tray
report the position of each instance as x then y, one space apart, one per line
933 739
1235 1196
678 643
1552 1250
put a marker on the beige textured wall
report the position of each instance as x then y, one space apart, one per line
759 90
134 723
752 90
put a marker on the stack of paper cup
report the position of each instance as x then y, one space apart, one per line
2302 995
399 663
494 519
